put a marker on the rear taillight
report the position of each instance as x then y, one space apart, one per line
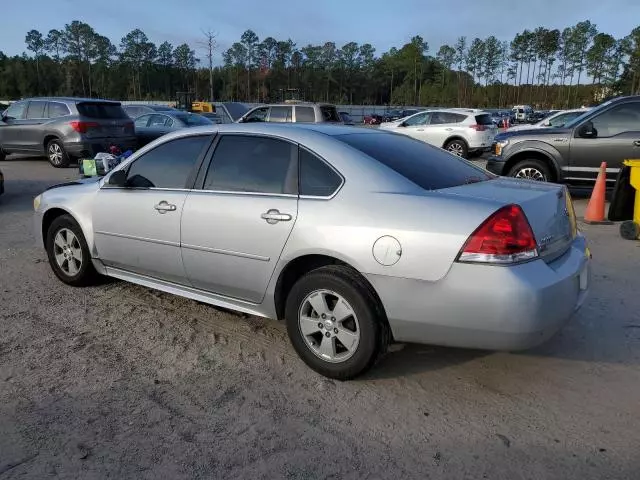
82 127
505 237
478 128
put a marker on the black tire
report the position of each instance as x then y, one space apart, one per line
372 325
86 274
57 155
457 147
3 156
629 230
531 169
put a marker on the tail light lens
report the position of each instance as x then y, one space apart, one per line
504 238
82 127
478 128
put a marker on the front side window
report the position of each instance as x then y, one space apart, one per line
16 111
619 119
420 119
57 109
280 114
168 165
244 163
316 177
305 114
36 109
257 115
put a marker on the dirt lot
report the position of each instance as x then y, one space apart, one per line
121 381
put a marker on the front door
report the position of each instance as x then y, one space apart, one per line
615 137
11 127
235 226
137 228
32 132
415 126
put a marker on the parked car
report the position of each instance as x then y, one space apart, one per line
391 116
64 128
230 112
135 110
557 119
154 125
372 119
214 117
459 131
288 112
346 118
254 218
521 112
572 153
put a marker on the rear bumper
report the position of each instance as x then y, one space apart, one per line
496 165
488 307
89 147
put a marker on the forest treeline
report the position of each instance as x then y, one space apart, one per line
542 67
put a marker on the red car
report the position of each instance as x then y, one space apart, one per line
373 119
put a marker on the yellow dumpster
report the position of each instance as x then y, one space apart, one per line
630 229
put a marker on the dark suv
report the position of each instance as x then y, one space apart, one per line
64 128
572 154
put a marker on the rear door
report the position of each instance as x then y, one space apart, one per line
33 133
11 127
235 226
616 138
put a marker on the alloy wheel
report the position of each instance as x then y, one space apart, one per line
68 252
530 173
55 154
456 149
329 326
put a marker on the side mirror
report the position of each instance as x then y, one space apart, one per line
403 124
587 131
117 179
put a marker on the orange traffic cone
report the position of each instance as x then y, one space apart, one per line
594 214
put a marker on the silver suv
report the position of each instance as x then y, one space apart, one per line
64 128
293 112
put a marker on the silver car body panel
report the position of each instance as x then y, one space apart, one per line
233 258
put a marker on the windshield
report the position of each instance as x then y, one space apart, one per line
193 120
236 109
428 167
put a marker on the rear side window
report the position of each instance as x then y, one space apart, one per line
484 119
316 177
168 165
428 167
280 114
101 110
244 163
305 114
330 114
36 109
57 109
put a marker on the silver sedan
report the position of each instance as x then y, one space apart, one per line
355 237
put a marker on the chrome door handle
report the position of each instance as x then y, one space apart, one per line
274 216
164 207
636 143
419 129
448 129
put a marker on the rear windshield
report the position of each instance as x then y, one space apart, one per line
192 120
484 119
330 114
427 166
101 110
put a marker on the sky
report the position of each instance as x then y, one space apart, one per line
383 23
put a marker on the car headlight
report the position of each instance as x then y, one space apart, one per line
499 146
36 202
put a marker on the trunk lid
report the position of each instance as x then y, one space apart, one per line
548 208
105 120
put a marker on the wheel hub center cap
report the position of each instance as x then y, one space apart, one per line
328 324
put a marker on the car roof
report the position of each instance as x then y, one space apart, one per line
73 100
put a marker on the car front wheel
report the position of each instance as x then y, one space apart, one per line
335 323
57 155
68 252
531 170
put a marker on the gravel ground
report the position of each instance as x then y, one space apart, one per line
121 381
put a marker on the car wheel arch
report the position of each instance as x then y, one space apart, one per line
300 266
49 216
47 139
455 137
529 154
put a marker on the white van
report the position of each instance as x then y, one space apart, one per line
520 112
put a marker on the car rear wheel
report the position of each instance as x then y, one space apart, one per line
68 252
335 323
57 155
531 170
457 147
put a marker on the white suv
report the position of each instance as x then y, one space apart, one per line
463 132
